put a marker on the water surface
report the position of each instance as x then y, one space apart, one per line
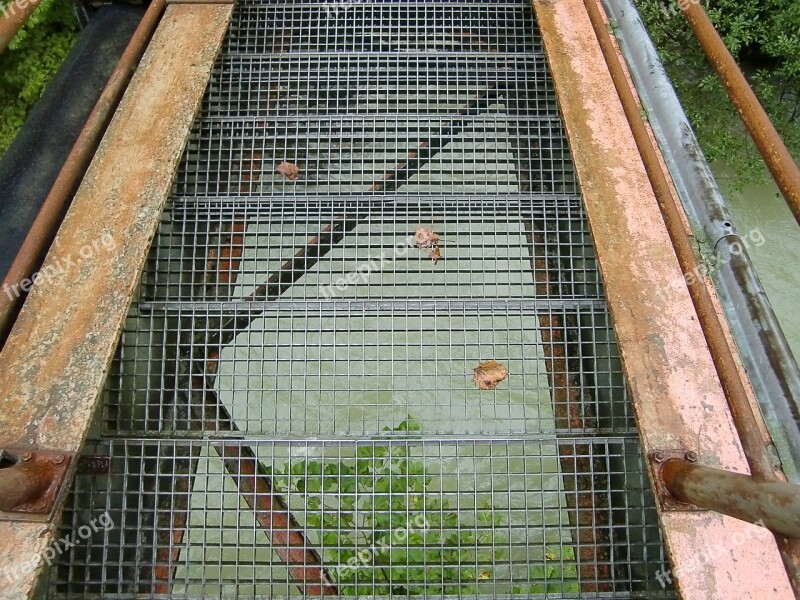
777 260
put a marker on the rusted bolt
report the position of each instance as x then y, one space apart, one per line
58 459
658 457
26 456
691 456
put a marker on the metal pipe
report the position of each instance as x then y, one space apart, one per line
744 418
15 15
780 163
24 482
43 230
766 355
773 504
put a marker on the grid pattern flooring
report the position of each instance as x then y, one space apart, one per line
376 198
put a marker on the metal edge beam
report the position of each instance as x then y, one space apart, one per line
54 363
56 203
677 397
765 353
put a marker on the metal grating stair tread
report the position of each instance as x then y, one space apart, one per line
291 410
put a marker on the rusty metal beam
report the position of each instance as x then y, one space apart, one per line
771 367
774 152
54 364
286 535
725 364
15 15
172 520
771 504
587 507
306 568
677 397
55 205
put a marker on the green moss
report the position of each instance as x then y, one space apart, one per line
31 60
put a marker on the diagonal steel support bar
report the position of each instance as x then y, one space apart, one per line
220 277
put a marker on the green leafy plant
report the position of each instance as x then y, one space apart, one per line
31 60
377 516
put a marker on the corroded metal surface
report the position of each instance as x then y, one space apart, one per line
674 219
779 161
44 228
31 483
12 20
759 459
54 363
588 509
677 396
773 504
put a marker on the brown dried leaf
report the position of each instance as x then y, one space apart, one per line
290 170
488 374
425 238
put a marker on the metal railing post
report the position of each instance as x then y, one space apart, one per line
773 504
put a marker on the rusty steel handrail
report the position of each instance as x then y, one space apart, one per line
766 355
14 17
741 410
774 152
742 413
42 232
772 504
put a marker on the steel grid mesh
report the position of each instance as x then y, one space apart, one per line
420 518
350 369
383 27
347 155
274 314
281 86
489 249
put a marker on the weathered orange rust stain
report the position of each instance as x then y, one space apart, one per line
587 511
228 266
677 398
54 363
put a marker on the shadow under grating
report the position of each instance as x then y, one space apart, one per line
292 409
